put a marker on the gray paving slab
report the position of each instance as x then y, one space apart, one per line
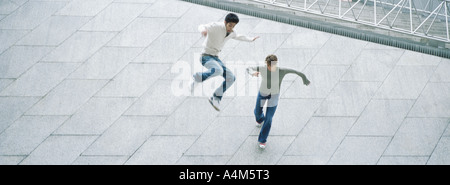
339 50
135 1
115 17
30 15
54 30
5 83
9 37
372 65
203 160
268 26
79 47
446 132
50 0
13 108
39 79
105 63
195 16
141 32
11 160
432 102
405 82
7 7
18 59
95 116
158 150
310 39
125 136
59 150
415 58
100 160
84 7
27 133
159 9
223 137
133 80
417 136
402 160
19 2
321 137
348 99
441 75
441 153
382 117
158 100
359 150
189 118
157 51
303 160
67 97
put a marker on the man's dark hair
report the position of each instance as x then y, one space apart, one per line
231 17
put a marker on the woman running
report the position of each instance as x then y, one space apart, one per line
269 92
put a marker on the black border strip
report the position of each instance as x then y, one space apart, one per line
224 174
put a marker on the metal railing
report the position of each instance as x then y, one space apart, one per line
423 18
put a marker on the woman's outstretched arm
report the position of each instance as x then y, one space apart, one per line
303 76
254 71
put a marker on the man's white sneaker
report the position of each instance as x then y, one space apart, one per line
262 145
214 102
259 124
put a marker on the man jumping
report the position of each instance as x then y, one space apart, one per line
217 33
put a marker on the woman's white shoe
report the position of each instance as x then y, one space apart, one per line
259 124
262 145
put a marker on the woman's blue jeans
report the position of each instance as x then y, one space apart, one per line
272 103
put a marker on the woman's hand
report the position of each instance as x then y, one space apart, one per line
306 81
255 74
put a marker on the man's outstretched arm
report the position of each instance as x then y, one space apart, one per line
245 38
203 28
